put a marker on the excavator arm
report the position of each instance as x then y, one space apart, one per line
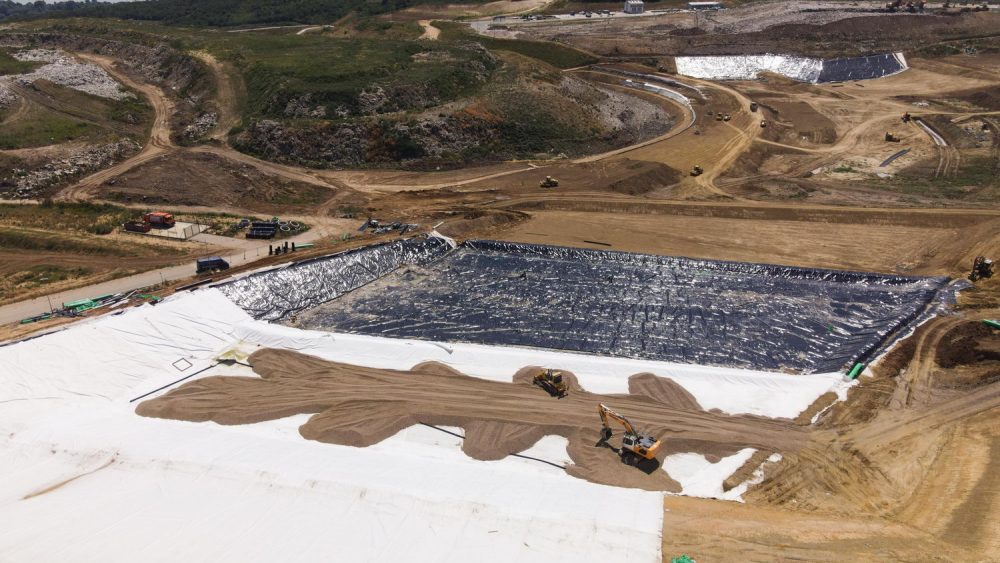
607 413
634 444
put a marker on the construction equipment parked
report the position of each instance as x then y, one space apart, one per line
552 381
907 117
890 138
262 230
636 445
697 171
726 117
763 123
212 264
136 226
159 220
753 106
982 267
549 182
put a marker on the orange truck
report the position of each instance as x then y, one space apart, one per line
159 219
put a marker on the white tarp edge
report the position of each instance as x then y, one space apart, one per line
86 479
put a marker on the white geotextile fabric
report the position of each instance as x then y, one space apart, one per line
748 67
114 355
86 479
733 391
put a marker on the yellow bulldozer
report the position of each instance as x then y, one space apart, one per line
552 381
636 445
982 267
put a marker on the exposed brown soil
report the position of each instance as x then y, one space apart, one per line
905 469
986 98
690 34
796 121
212 181
358 406
746 470
969 343
970 356
829 240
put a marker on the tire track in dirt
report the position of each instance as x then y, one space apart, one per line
359 406
159 142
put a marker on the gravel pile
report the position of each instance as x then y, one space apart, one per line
67 71
202 125
26 183
7 97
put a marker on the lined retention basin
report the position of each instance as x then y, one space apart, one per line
604 302
803 69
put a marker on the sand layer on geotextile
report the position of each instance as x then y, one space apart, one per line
360 406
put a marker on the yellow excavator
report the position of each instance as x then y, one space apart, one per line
552 381
636 446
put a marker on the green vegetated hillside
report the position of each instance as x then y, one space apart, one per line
215 13
326 100
296 76
10 65
519 108
49 114
366 92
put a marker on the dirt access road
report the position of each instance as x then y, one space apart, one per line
160 142
430 33
249 253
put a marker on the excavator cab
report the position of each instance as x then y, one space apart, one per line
553 383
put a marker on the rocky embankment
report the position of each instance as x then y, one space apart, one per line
159 64
29 182
511 120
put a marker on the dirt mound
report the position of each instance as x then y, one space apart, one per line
970 354
967 344
359 406
489 440
210 180
986 98
793 121
465 223
746 470
662 390
646 177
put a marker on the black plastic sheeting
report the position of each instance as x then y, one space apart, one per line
860 68
277 294
604 302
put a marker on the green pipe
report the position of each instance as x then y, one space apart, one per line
856 370
992 324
